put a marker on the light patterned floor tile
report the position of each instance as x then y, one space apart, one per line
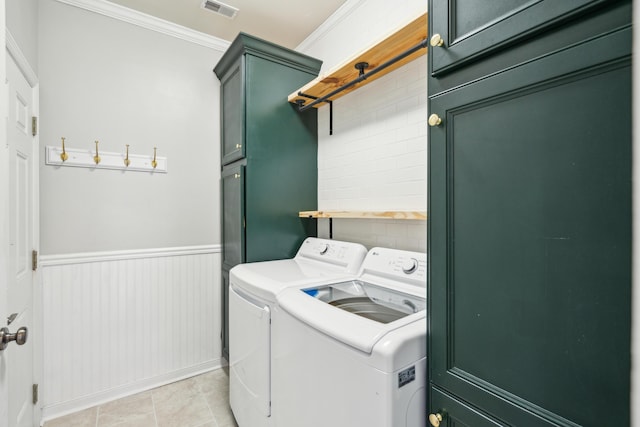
201 401
86 418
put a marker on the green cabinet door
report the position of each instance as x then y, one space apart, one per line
530 239
233 215
232 113
471 29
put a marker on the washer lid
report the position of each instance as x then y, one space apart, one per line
355 312
266 279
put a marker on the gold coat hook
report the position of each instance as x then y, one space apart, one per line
64 156
127 162
153 162
96 158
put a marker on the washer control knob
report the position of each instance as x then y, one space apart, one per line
323 248
410 265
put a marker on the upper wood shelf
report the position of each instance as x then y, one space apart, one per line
414 215
394 44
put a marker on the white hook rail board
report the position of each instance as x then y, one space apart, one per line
108 160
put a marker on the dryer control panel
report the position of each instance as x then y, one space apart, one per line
346 254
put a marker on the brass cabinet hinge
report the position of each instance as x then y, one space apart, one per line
34 394
34 125
34 260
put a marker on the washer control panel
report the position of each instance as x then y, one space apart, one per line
397 264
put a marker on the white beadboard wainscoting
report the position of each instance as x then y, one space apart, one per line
116 323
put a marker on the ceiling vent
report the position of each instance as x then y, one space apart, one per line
220 8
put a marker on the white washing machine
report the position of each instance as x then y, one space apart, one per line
253 313
352 353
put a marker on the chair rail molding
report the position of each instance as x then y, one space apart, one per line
78 258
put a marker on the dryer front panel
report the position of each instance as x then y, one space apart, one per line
249 357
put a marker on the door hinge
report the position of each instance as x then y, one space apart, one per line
34 125
34 260
35 394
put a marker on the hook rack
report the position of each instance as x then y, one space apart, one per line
92 159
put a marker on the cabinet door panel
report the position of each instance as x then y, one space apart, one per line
455 413
471 29
530 227
233 215
232 114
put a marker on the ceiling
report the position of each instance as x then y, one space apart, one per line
285 22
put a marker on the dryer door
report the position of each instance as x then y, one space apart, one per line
249 354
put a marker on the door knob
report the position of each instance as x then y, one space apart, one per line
20 337
434 120
436 40
435 419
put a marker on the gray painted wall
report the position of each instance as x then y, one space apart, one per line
107 80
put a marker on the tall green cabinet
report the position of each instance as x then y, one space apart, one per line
268 155
529 213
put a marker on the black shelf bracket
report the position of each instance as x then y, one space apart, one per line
361 66
300 103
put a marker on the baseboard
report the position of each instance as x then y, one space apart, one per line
56 411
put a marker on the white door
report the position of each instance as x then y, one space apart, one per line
19 359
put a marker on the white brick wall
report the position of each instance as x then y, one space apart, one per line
376 158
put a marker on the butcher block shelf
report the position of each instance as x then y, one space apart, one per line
391 46
412 215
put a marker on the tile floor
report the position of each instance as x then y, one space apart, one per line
201 401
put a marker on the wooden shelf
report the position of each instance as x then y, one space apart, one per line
412 215
399 41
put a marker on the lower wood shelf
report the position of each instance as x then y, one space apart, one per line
409 215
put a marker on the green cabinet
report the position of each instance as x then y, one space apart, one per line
530 229
268 155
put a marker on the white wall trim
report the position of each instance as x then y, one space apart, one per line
349 7
149 22
20 60
78 258
59 410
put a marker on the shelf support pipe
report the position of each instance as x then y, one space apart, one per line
423 44
300 103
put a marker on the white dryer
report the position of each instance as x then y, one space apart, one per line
253 314
352 353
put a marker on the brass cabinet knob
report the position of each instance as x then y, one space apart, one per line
436 40
434 120
236 175
238 145
435 419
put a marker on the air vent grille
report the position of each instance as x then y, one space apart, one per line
220 8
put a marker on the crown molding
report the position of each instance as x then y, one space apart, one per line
343 12
149 22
